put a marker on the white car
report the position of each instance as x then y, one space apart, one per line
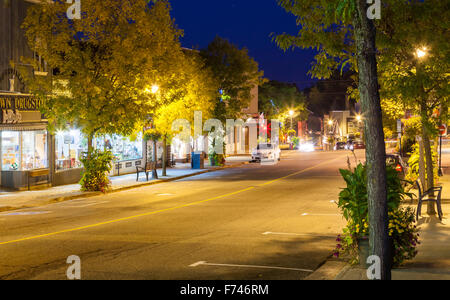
266 151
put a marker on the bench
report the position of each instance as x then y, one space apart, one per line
38 173
148 167
424 197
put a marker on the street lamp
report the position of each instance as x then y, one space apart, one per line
155 89
291 114
358 118
421 52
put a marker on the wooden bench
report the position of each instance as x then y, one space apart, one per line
423 194
38 173
149 166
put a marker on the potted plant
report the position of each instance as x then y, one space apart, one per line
354 206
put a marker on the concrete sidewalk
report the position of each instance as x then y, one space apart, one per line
28 199
431 263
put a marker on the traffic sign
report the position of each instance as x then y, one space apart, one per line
443 130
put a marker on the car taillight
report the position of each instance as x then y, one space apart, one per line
399 168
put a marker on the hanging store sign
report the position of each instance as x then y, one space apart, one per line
19 109
21 103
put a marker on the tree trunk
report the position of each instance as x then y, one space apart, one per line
155 160
422 175
365 37
164 157
429 167
90 143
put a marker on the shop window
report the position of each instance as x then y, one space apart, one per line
22 151
123 148
10 150
70 145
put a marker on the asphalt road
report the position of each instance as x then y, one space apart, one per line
252 222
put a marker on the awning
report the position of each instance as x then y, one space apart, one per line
23 127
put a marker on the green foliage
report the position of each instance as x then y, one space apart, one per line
413 162
404 235
354 206
104 62
97 165
216 159
296 142
236 73
277 98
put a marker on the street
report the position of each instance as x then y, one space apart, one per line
252 222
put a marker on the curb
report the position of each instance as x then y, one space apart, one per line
80 195
329 270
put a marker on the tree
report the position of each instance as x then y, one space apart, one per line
104 63
277 97
414 66
342 34
195 90
236 73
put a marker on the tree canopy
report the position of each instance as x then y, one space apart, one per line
236 73
104 63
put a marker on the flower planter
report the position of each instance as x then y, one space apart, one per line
363 251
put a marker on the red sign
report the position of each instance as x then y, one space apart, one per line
443 130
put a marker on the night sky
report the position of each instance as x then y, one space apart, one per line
246 23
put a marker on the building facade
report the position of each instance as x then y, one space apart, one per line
26 145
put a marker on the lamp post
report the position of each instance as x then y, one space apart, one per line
291 114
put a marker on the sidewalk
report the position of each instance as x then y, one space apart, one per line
28 199
431 263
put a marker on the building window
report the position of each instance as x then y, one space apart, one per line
123 148
69 146
24 150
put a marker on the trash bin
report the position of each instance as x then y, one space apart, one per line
197 160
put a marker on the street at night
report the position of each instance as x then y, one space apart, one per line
224 148
282 218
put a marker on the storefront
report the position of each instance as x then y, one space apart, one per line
24 140
70 144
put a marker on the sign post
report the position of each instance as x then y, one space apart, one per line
442 132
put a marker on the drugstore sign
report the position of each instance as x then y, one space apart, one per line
18 109
22 103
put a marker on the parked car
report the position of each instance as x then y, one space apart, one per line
340 146
397 162
353 145
266 151
359 145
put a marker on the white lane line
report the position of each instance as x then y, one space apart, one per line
308 214
164 194
204 263
87 205
27 213
299 234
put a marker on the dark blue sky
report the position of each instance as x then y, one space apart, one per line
246 23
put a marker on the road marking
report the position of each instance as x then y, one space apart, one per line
164 194
88 204
204 263
158 211
308 214
27 213
298 234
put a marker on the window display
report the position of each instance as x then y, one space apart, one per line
24 150
10 150
123 148
69 146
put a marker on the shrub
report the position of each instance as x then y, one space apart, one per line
97 165
353 203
